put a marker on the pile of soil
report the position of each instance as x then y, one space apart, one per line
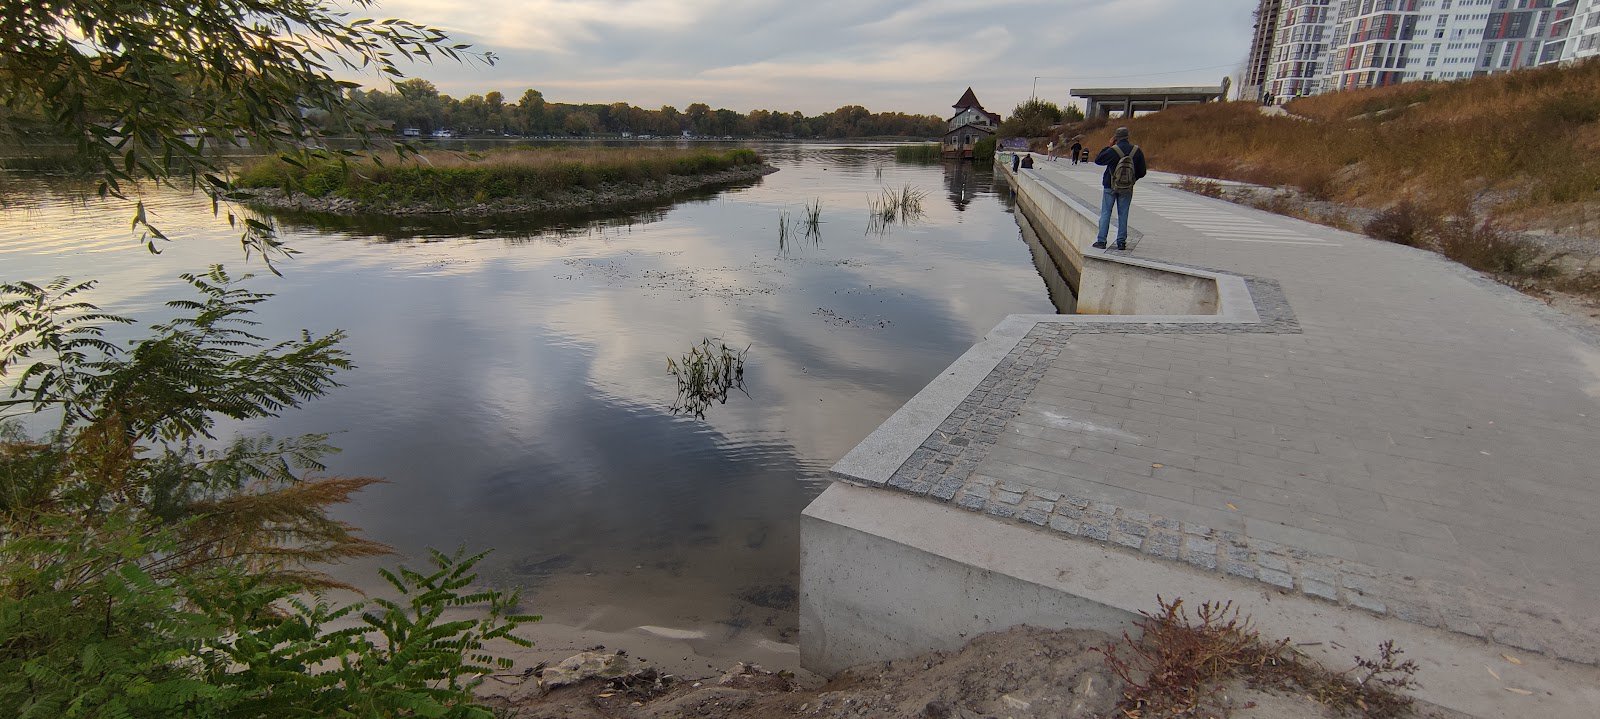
1023 673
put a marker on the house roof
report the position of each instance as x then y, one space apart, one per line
979 128
993 117
968 100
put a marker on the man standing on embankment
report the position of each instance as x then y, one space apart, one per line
1124 163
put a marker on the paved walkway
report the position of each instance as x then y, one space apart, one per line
1413 440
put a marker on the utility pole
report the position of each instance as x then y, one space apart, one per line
1034 95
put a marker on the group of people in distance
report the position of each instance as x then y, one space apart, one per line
1075 151
1125 166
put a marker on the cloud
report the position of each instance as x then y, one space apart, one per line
549 26
817 55
908 62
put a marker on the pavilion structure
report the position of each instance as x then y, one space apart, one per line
1102 102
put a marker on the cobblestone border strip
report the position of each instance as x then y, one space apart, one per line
943 468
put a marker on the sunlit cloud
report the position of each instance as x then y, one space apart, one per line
815 56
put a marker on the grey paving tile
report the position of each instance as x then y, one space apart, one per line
1388 459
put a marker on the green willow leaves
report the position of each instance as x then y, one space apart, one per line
148 90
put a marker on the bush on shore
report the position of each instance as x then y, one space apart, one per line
983 151
454 179
148 570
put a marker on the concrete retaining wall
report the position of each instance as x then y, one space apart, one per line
1105 284
885 576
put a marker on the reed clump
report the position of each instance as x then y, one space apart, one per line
455 179
921 152
705 375
891 206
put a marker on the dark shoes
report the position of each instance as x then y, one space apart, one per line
1122 245
1099 245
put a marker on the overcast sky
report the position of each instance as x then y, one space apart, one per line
914 56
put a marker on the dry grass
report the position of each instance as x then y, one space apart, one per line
1525 142
1486 247
1402 224
455 178
1179 665
1200 186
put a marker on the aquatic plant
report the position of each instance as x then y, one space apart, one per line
813 221
453 179
705 375
785 226
810 227
909 202
922 152
893 206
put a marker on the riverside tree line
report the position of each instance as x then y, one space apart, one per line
417 103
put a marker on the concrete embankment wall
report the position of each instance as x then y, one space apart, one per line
1105 284
887 576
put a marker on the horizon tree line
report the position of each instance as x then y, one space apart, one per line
417 103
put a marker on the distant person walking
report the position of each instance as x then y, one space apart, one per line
1050 151
1124 163
1077 152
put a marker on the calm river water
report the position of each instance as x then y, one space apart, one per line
512 387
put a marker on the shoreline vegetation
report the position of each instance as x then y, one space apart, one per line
517 180
920 152
1499 173
1519 148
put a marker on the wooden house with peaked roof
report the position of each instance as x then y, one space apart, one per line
970 124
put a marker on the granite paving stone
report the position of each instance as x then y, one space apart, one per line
1397 434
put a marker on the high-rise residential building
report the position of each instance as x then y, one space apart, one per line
1448 40
1328 45
1258 64
1371 42
1300 48
1576 35
1523 33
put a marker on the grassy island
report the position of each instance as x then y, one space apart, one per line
518 179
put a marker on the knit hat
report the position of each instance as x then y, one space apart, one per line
1122 133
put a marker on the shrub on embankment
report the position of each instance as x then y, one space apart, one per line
1523 147
454 179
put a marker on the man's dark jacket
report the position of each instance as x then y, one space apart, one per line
1109 158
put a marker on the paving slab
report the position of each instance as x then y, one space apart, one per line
1397 434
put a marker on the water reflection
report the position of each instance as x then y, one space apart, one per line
570 224
510 382
964 183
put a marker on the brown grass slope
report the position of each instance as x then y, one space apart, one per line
1523 148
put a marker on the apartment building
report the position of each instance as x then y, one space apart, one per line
1328 45
1577 34
1448 41
1300 48
1258 65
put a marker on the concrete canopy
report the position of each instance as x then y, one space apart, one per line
1102 101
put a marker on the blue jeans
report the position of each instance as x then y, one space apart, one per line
1122 201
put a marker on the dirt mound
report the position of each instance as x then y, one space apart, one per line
1021 674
